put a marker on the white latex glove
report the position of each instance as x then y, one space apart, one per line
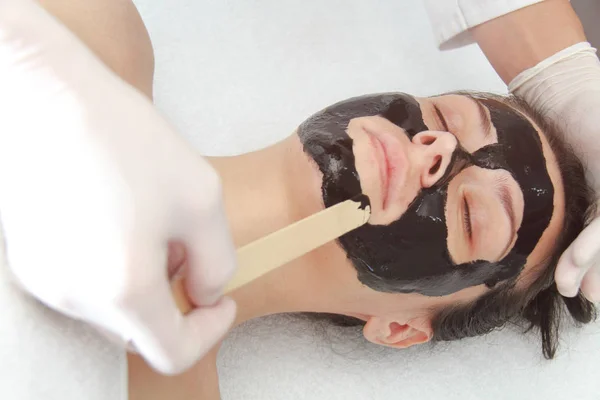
566 89
94 184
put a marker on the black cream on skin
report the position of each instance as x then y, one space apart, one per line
411 254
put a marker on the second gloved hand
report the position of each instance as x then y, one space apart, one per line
94 186
566 89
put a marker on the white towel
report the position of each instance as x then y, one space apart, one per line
44 355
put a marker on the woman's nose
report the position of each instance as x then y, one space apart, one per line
434 154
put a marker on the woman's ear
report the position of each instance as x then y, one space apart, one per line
393 333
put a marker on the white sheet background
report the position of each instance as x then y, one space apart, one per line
44 355
237 75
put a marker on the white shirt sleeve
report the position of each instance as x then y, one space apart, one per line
452 19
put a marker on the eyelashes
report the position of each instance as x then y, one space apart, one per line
441 118
467 218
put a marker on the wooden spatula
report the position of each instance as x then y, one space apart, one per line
278 248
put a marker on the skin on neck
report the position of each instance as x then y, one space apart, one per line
265 191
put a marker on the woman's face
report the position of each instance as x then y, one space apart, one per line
461 188
484 207
465 192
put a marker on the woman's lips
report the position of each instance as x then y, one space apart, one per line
392 163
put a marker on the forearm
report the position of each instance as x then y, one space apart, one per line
199 382
114 31
519 40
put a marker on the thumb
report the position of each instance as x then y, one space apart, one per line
211 257
576 261
172 343
169 341
205 326
590 284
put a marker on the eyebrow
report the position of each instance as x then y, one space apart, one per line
506 200
486 122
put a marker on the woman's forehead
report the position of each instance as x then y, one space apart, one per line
545 245
469 104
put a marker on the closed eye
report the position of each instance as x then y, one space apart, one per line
467 218
441 118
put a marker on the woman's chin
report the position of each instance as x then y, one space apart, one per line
381 213
386 216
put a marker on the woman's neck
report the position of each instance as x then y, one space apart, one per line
265 191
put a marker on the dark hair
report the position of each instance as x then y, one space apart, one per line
533 297
539 303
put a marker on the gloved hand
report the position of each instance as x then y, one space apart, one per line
566 89
94 186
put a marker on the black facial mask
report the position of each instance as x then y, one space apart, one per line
411 253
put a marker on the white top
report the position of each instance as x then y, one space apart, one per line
452 19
